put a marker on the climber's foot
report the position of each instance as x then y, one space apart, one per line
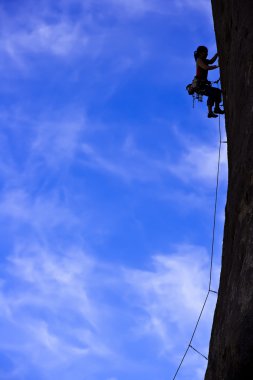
219 111
211 114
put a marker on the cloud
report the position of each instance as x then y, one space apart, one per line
138 7
195 162
57 140
199 162
176 287
41 213
141 7
200 6
60 40
60 307
49 293
131 163
47 141
49 32
55 32
172 294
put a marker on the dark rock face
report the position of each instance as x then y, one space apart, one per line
231 345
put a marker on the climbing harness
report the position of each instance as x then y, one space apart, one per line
197 89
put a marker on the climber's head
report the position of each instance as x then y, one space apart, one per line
201 52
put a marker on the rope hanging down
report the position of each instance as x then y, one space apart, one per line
211 262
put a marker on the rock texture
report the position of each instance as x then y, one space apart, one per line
231 345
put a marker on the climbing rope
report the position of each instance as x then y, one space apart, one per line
211 261
215 208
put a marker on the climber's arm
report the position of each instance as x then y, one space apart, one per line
212 60
204 66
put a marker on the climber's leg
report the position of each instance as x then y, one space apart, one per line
210 102
217 99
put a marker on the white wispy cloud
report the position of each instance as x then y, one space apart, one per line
194 162
42 213
160 6
48 140
138 7
61 39
177 287
60 304
51 32
200 162
172 296
130 164
58 288
58 140
200 6
47 32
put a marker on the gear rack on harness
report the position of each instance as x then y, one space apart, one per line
196 89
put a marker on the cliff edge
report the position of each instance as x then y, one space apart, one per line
231 344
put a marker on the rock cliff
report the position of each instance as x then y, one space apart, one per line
231 345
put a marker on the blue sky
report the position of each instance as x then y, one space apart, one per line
107 180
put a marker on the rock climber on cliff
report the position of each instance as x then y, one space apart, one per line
203 65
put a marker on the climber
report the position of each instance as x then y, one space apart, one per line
203 65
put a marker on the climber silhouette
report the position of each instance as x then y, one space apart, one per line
203 65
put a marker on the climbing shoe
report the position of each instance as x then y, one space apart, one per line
219 111
211 114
